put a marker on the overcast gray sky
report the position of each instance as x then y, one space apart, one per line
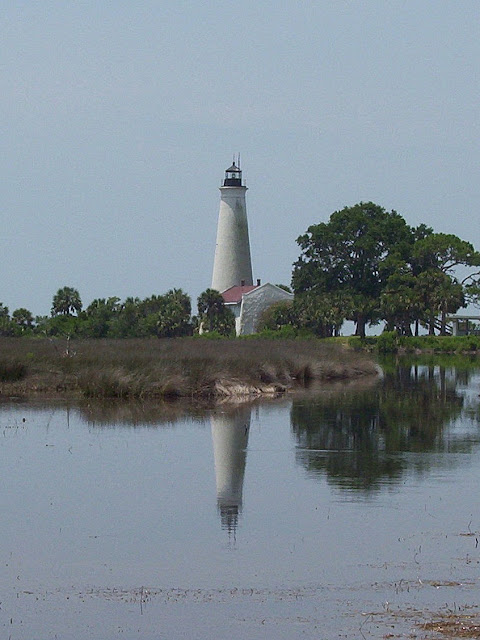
119 118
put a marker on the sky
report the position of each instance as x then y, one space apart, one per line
118 120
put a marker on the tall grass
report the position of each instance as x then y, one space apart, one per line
181 367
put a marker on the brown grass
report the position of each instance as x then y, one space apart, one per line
185 367
454 626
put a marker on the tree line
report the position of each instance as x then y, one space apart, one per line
164 316
365 264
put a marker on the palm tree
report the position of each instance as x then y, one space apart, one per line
66 302
23 319
211 307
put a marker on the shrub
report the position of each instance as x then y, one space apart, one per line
285 332
355 343
388 342
11 371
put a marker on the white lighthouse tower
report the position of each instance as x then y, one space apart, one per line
232 265
230 439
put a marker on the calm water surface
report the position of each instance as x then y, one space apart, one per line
344 514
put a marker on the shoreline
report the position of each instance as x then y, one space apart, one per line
173 369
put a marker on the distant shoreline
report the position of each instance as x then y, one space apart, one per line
171 369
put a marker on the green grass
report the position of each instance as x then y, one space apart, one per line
390 342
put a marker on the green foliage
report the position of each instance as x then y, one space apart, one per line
357 343
5 322
442 344
167 315
22 321
276 316
173 315
321 314
213 315
66 302
384 269
99 316
391 342
124 323
443 252
285 332
353 254
62 325
388 342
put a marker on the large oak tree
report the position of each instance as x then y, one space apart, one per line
354 253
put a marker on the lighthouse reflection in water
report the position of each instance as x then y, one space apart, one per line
230 432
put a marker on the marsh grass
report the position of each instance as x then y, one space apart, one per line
171 368
12 370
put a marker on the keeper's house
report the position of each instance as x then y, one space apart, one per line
247 302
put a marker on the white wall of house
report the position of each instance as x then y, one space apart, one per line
254 304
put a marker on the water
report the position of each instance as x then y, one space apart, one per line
347 513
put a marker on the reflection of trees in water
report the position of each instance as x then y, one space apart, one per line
357 438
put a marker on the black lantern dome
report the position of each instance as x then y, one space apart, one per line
233 176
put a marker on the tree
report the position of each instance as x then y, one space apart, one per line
277 315
400 302
285 287
444 252
323 314
124 324
61 325
435 259
98 317
5 322
173 317
66 302
353 254
439 294
111 305
22 319
213 313
210 305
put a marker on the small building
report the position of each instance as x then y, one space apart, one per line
248 302
463 325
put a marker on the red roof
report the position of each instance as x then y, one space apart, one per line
234 294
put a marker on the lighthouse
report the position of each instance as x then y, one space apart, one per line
230 439
232 265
